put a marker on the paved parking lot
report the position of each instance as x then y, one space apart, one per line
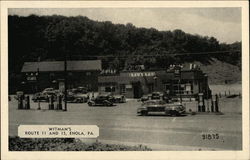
121 125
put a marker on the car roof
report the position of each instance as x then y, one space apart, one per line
104 94
154 101
49 88
156 92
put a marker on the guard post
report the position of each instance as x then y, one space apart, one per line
51 102
216 103
201 105
27 102
20 101
59 102
212 104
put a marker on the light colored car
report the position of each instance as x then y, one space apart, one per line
101 100
48 91
173 109
145 98
119 99
156 95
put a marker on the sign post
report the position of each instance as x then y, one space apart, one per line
177 74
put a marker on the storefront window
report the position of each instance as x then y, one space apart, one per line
102 89
122 89
150 87
188 88
110 89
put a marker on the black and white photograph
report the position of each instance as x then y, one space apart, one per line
109 79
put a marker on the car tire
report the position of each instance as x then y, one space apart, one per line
144 113
174 113
90 104
106 104
79 101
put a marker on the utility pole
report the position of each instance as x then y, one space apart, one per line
65 78
207 97
38 85
38 88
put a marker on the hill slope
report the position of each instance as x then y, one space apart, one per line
221 72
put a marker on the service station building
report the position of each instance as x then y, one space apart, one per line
187 81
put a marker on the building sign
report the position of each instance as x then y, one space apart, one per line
128 86
142 74
177 73
31 78
61 86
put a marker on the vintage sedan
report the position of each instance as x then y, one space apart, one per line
156 95
77 98
74 99
145 98
40 96
119 99
48 91
101 100
173 109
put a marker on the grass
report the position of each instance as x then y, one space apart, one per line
66 144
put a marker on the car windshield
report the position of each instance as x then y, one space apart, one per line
154 103
156 94
48 89
101 97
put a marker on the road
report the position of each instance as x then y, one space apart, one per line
120 125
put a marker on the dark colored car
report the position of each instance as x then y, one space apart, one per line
145 98
40 97
101 100
166 98
78 90
161 106
77 98
119 99
74 99
156 95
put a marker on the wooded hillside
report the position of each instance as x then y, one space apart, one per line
119 46
50 37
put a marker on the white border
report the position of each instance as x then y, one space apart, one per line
124 155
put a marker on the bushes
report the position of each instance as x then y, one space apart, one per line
65 144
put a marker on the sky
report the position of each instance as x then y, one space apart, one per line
222 23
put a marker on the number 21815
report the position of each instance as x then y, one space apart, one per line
210 136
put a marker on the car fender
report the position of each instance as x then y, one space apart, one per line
91 102
141 109
106 101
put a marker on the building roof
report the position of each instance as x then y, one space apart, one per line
50 66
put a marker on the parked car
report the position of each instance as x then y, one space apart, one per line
48 90
156 95
167 98
173 109
77 97
74 99
101 100
43 96
119 99
82 89
40 96
145 97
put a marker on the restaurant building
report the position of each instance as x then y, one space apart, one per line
186 81
40 75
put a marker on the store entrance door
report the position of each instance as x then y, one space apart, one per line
137 89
